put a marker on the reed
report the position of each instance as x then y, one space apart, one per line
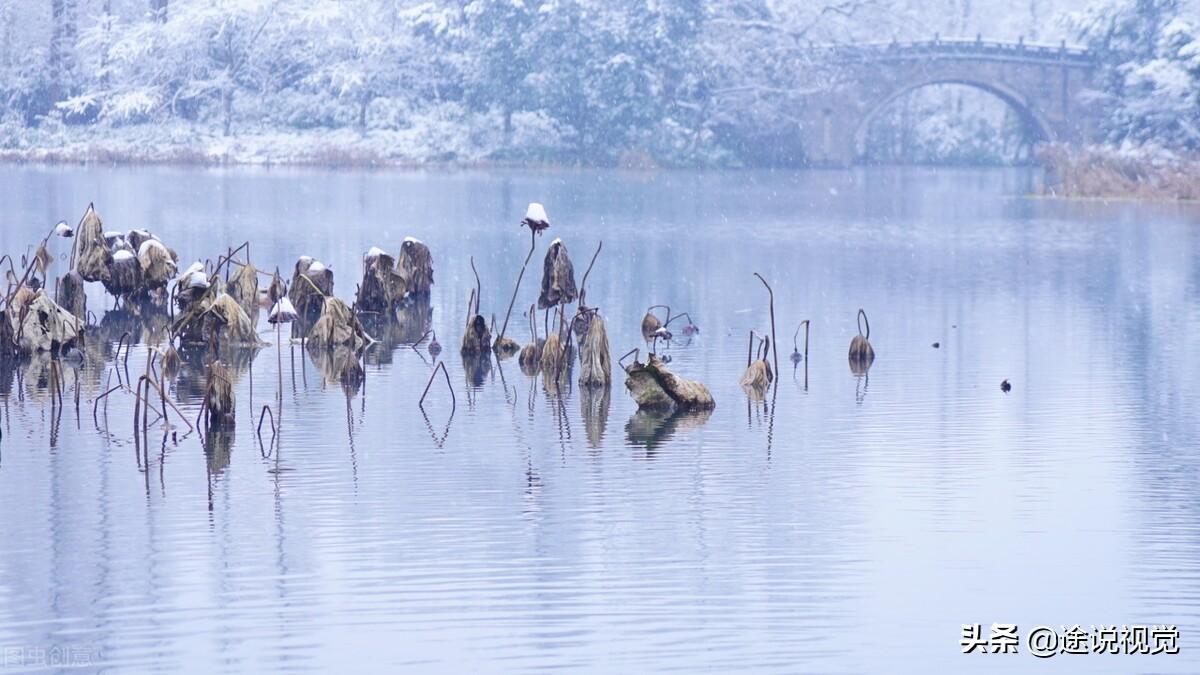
1097 172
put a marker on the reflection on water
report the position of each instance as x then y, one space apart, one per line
509 522
650 429
594 402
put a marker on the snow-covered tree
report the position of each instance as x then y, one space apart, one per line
1149 80
366 50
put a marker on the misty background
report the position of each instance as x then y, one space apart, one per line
612 82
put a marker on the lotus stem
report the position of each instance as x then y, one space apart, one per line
583 285
517 287
795 347
478 287
442 366
771 293
689 318
862 319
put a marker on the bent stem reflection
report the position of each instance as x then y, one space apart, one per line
266 410
563 420
438 442
771 422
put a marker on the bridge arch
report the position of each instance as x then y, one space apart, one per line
1045 85
1037 127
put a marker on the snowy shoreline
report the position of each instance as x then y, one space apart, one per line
200 146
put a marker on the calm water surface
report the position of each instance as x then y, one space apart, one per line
852 525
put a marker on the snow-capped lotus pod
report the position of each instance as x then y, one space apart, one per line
318 274
62 229
415 266
312 283
381 285
158 267
124 274
558 277
282 311
536 218
192 286
93 255
194 277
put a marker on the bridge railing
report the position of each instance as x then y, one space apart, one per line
958 48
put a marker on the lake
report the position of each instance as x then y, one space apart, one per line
846 524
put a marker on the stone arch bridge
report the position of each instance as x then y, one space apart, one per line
1042 84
